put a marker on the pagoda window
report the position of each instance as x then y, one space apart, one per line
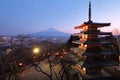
86 36
86 27
81 44
83 28
83 36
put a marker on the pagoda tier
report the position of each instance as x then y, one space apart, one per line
93 24
99 33
87 32
91 42
101 53
93 53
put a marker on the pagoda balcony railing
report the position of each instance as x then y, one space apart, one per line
89 39
100 63
90 31
83 39
92 42
82 47
98 33
100 59
105 54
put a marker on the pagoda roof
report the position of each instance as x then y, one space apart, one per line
100 33
99 53
92 42
77 34
98 63
92 24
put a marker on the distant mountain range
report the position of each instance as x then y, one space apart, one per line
50 32
117 36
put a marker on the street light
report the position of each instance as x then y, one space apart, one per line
35 56
36 50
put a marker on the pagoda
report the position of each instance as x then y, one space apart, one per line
95 57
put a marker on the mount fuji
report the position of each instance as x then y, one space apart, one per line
50 32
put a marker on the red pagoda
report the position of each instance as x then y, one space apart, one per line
95 58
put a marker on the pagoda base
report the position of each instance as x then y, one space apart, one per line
93 70
103 75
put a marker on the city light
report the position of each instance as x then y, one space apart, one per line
20 64
57 53
49 54
34 57
65 52
8 50
43 54
61 57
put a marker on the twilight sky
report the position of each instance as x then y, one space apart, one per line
29 16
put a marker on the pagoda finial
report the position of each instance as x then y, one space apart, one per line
89 11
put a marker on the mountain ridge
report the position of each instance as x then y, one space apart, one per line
50 32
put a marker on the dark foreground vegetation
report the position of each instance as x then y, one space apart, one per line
19 55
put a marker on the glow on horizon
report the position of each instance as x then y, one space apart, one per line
29 16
